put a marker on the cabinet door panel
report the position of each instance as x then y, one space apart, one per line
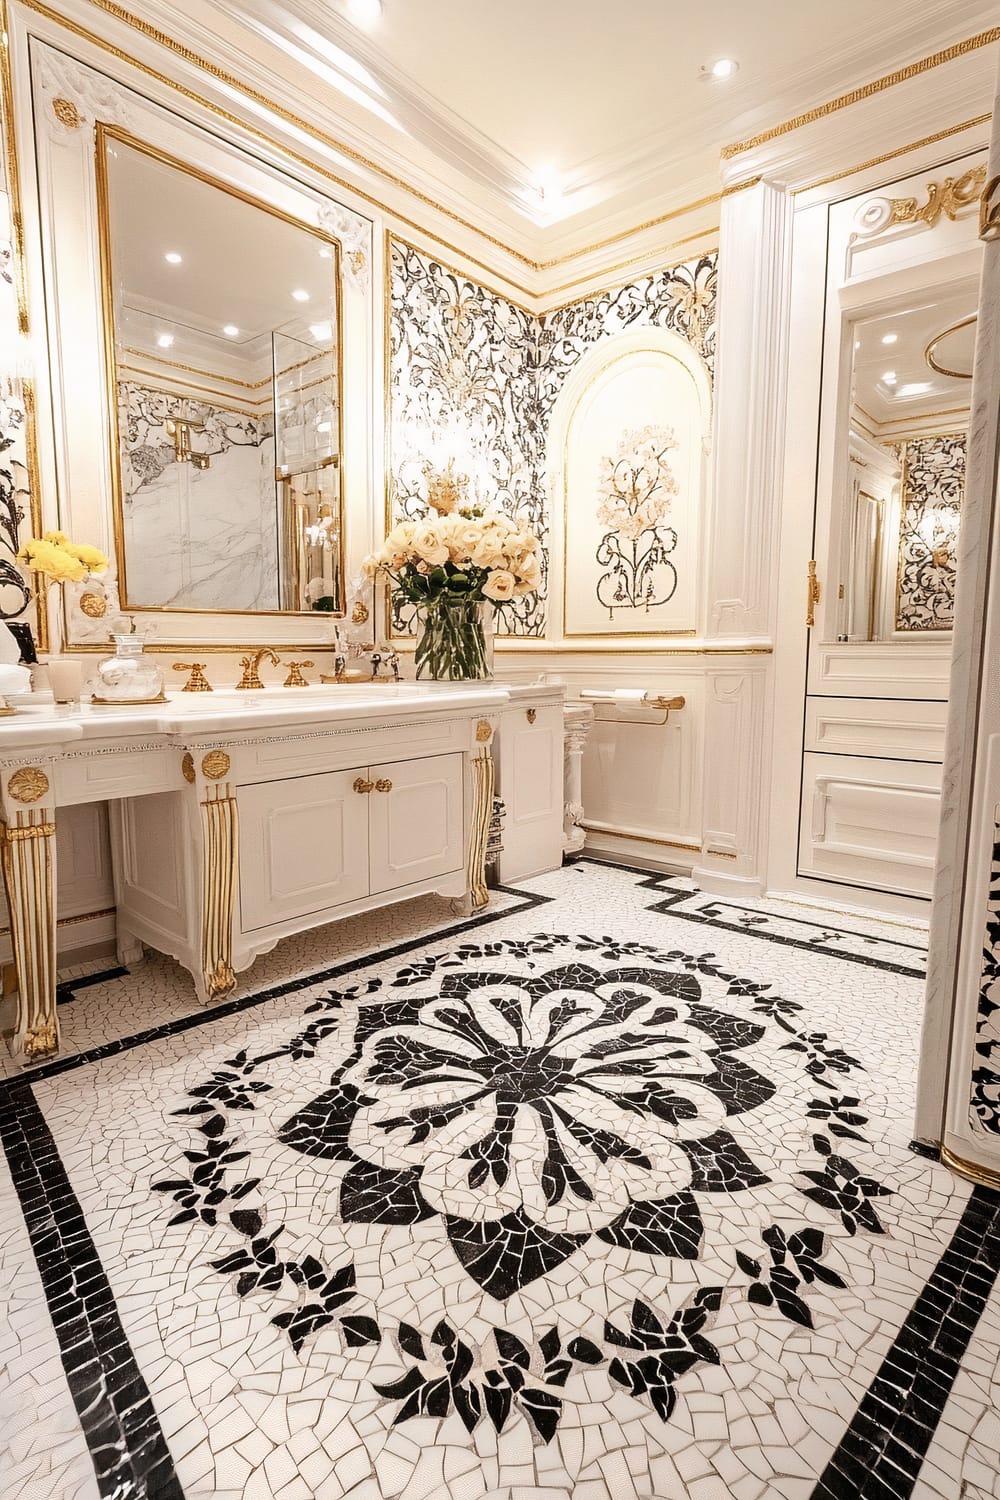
531 784
303 846
417 828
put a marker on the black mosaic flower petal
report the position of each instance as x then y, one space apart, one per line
672 1226
720 1165
322 1128
378 1195
504 1255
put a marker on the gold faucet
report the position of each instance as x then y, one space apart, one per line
251 665
197 682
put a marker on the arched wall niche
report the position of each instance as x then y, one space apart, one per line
628 448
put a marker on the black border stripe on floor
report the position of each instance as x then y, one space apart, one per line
880 1455
112 1400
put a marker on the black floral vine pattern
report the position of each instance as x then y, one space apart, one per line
984 1101
933 486
652 1038
463 358
15 594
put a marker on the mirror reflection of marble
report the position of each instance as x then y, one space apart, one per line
911 392
222 334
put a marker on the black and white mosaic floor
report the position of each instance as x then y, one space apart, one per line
608 1194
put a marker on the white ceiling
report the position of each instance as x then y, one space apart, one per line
609 96
917 390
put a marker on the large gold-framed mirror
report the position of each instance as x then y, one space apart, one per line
222 346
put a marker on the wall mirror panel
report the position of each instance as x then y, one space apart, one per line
905 445
222 333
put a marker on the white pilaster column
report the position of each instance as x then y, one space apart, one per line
740 582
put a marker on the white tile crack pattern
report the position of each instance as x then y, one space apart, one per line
521 1211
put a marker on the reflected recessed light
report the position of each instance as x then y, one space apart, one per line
326 253
724 67
889 377
365 12
915 388
230 330
857 343
889 338
300 295
165 340
172 258
321 330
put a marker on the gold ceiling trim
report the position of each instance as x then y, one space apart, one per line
866 91
614 286
878 161
932 346
230 81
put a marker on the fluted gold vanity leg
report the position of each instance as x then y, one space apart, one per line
27 847
220 866
483 787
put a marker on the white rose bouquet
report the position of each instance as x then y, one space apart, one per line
448 565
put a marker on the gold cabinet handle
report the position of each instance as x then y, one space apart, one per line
383 785
813 593
361 785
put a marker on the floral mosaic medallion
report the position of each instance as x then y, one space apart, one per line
508 1170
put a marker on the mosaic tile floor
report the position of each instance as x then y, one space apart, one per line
608 1194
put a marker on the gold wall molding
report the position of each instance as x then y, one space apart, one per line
878 161
866 91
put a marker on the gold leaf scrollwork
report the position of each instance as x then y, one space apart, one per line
40 1041
946 199
359 614
989 211
215 764
28 784
67 113
187 767
484 731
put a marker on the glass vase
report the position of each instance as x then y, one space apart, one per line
454 641
127 677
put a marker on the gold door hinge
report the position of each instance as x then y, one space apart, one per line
814 593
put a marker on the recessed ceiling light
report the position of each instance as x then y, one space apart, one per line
889 338
230 330
172 258
548 184
889 377
365 12
724 67
165 340
300 295
321 331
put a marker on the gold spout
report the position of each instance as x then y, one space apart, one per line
251 668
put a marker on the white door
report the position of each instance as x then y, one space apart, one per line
303 846
417 820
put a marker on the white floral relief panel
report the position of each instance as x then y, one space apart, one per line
633 479
933 485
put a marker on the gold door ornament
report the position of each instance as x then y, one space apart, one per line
948 198
67 113
28 784
187 767
94 606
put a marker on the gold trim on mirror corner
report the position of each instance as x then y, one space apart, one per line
929 351
103 132
865 91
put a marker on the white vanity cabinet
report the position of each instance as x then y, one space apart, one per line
240 819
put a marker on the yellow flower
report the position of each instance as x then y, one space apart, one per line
93 558
43 556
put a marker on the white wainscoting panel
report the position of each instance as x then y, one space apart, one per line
896 729
870 823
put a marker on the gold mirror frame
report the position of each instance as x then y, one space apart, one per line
104 133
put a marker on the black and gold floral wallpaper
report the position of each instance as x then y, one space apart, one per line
933 485
474 378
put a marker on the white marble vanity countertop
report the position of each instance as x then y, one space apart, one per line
227 709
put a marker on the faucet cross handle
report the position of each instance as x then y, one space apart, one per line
295 677
197 682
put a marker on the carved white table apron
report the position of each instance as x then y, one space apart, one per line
343 800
